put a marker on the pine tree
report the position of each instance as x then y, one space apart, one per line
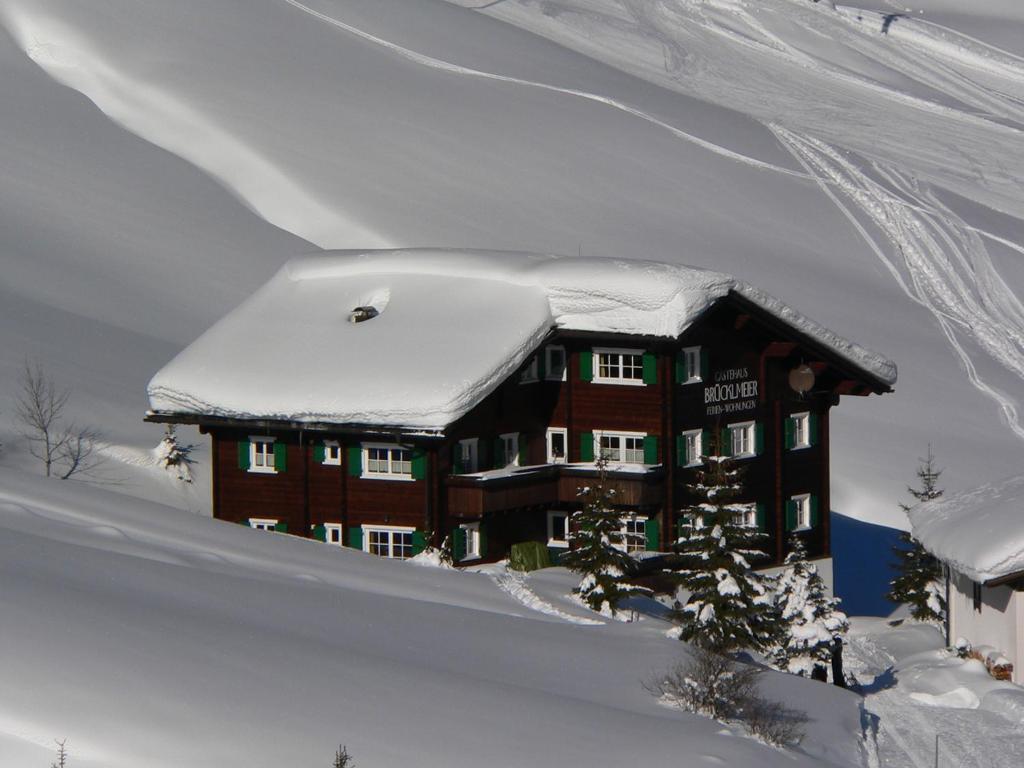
811 619
598 553
919 579
730 606
175 457
342 759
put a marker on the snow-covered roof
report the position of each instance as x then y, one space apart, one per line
453 324
979 532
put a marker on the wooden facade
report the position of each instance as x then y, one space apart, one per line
737 372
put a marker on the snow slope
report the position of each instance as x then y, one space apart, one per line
149 636
869 178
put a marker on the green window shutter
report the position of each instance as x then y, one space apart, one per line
243 457
498 456
280 456
542 365
521 441
815 514
650 363
419 464
758 439
650 449
355 537
586 365
680 367
458 543
320 533
651 534
586 446
318 452
457 466
760 517
790 514
355 461
483 540
680 451
725 447
705 365
281 527
245 521
812 429
419 542
705 441
789 433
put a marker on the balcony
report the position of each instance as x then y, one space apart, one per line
550 485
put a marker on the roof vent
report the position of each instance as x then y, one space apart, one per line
362 314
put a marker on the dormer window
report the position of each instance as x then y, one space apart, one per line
362 314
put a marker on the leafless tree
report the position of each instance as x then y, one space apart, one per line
39 407
62 755
66 449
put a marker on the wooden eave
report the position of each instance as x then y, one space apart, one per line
848 369
205 421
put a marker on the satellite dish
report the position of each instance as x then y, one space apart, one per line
801 379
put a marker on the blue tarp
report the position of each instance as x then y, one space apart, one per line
862 565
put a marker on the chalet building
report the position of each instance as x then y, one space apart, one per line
380 400
979 536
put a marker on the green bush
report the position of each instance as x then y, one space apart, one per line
528 556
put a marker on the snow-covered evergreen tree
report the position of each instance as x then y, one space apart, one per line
811 619
175 457
598 552
919 579
730 606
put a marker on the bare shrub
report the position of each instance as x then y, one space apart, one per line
774 722
713 684
709 683
62 755
342 759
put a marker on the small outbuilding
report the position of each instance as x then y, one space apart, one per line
979 535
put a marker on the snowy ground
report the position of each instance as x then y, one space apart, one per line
146 635
915 689
161 160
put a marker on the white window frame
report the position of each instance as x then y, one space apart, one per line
748 517
514 438
552 541
626 542
694 354
803 511
474 444
552 459
529 373
263 523
620 380
801 428
391 530
264 468
598 434
366 474
749 428
548 374
330 528
472 533
329 447
698 435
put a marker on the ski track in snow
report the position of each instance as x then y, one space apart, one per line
514 584
446 66
943 266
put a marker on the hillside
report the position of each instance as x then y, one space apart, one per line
162 160
148 636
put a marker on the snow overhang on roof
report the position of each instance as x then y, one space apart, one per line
452 325
979 532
